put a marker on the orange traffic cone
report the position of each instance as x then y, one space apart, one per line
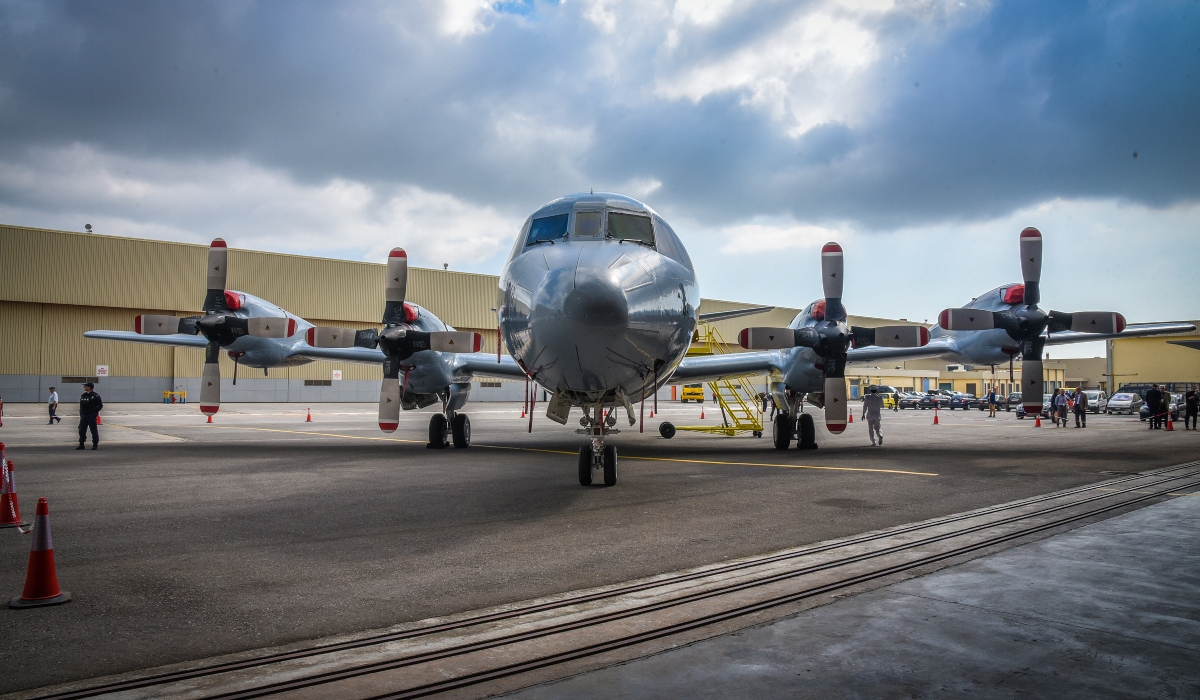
41 580
851 418
702 411
935 415
1037 420
210 419
10 510
99 420
308 419
1170 425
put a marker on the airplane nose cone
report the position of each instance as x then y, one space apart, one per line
595 303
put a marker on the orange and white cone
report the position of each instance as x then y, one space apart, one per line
1037 420
1170 425
41 580
935 415
850 418
308 419
701 411
10 510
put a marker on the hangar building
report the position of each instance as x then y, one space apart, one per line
54 285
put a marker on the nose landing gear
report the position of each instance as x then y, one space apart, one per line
597 461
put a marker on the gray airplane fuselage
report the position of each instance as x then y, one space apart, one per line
599 299
990 347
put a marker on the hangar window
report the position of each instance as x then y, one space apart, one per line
630 227
318 382
549 228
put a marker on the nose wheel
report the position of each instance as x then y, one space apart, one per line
598 464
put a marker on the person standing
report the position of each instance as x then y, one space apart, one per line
52 403
1081 407
1165 402
991 402
90 405
1058 404
1191 404
872 407
1153 399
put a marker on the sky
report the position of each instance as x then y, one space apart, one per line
921 135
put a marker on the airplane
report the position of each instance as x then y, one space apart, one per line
995 327
437 361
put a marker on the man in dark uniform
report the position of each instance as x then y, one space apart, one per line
90 406
1192 408
1153 398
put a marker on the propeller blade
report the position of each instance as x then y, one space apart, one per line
262 327
218 264
898 336
395 287
831 281
149 324
1031 265
1088 321
1032 387
764 338
389 396
836 407
210 380
967 320
455 341
334 337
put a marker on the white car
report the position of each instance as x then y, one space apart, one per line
1097 400
1126 402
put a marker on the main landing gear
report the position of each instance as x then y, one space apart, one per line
785 428
597 461
444 429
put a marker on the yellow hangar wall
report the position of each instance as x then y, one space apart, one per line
1155 360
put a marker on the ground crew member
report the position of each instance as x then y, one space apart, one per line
90 406
1191 404
1081 407
872 406
1058 406
991 402
1153 399
52 402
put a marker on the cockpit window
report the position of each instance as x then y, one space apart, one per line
587 224
549 228
630 227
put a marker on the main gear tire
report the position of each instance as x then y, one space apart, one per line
808 433
781 431
460 428
437 431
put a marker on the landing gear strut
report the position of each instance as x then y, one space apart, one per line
597 461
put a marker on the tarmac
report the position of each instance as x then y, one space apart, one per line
182 540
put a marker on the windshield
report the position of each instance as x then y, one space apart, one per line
587 224
1123 397
630 227
1092 395
550 228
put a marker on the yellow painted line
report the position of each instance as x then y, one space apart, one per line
565 452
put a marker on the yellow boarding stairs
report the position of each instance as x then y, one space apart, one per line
736 398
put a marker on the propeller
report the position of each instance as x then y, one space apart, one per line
221 325
398 339
831 338
1025 322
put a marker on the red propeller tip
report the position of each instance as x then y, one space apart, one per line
1031 232
924 336
218 243
1120 323
836 428
310 337
398 253
944 318
291 327
744 338
388 427
209 410
831 247
478 342
137 325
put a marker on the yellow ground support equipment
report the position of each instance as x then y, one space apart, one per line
736 398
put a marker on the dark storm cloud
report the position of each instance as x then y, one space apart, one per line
1024 103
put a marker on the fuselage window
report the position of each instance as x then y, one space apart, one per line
550 228
587 224
630 227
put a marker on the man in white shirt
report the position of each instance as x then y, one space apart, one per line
53 403
872 411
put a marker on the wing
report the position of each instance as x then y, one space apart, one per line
479 364
366 356
934 348
741 364
1135 330
178 340
734 313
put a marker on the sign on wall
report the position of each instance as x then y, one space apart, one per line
337 375
101 371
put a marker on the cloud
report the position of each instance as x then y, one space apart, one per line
250 206
755 238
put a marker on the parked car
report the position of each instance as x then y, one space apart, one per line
1045 407
1097 400
910 400
964 401
1013 400
933 399
1127 402
1176 408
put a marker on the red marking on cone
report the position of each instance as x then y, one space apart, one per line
10 509
99 420
701 411
935 415
41 579
308 418
1037 420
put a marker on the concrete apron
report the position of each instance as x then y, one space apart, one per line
420 654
